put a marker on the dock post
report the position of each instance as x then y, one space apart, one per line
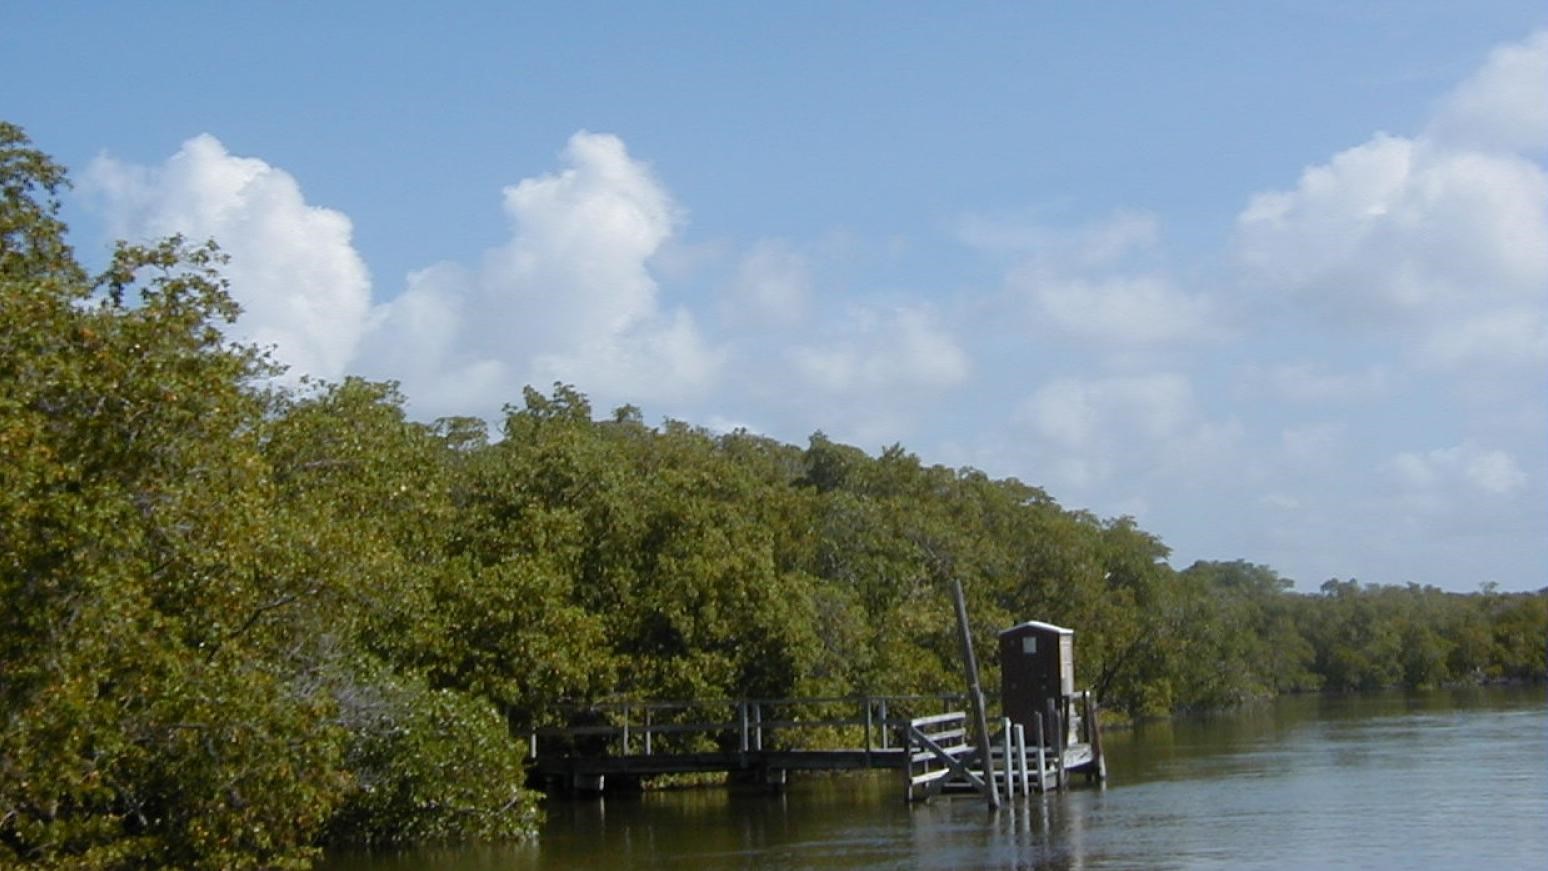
1006 745
1042 758
626 730
758 726
1092 711
1021 758
885 738
647 730
1058 743
867 703
741 716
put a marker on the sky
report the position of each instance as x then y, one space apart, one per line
1270 277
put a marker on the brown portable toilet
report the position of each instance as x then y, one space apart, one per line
1037 663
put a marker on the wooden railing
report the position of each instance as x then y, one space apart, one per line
641 727
934 749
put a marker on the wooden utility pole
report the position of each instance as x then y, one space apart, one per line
975 694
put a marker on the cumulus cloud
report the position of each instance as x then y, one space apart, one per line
1398 228
569 298
303 288
1442 236
1502 106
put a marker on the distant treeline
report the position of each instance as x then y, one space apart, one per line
238 621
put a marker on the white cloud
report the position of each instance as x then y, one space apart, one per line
1489 471
569 298
1315 382
1118 312
881 350
1091 285
1427 254
1515 336
1502 106
1076 412
1441 239
1313 444
772 286
303 288
1123 438
1397 230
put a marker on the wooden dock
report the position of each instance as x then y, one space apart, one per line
621 744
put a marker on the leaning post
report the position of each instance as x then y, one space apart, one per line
975 693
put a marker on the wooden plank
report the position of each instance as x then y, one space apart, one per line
918 722
812 724
929 776
954 752
710 762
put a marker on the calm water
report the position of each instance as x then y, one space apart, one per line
1453 778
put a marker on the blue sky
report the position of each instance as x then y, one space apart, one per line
1270 277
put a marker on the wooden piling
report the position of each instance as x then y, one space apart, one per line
867 717
1093 711
1021 758
1042 758
1010 767
741 716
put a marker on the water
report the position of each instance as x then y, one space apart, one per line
1450 778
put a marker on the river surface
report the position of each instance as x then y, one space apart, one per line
1453 779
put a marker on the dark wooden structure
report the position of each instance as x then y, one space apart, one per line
1037 693
1037 666
754 740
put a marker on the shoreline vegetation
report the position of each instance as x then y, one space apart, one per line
242 622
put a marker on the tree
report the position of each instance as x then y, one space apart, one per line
186 569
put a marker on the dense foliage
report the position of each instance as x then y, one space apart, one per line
239 622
